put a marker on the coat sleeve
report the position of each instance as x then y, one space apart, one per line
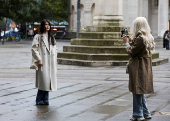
34 49
136 48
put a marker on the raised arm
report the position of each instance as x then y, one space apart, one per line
136 48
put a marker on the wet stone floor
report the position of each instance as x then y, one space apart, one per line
84 93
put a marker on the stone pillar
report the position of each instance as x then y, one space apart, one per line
108 13
82 17
143 8
71 18
163 9
130 12
87 17
75 21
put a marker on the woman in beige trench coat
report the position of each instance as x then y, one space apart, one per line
140 49
44 52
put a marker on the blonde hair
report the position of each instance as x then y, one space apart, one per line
140 25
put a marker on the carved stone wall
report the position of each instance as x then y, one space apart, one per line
131 9
86 14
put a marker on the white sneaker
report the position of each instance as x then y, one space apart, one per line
137 119
148 117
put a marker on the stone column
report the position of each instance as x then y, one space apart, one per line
75 21
163 9
130 12
87 18
108 13
70 18
143 8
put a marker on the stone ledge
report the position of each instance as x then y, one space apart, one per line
105 28
100 35
98 57
98 42
159 61
64 61
90 63
95 49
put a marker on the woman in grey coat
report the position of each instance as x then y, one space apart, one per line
44 52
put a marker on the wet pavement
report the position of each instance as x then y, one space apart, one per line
84 93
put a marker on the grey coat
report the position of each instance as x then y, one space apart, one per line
46 78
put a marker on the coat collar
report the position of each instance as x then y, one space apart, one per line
43 36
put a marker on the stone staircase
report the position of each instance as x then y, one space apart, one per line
99 46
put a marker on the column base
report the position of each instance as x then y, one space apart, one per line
159 39
108 21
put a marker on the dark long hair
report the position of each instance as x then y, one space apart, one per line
43 29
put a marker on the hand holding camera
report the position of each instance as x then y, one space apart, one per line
124 31
126 38
125 35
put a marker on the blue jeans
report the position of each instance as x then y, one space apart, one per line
62 36
139 106
42 96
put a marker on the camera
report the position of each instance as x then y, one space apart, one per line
124 31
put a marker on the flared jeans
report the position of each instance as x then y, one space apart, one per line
139 106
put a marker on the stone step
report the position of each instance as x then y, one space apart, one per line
99 57
159 61
95 49
97 42
86 56
64 61
105 28
100 35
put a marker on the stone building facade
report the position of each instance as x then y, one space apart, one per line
155 11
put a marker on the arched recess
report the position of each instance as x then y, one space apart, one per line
82 16
72 17
92 13
156 2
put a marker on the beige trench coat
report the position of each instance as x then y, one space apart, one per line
46 78
140 68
